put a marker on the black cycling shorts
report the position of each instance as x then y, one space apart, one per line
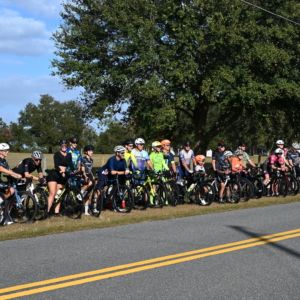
54 175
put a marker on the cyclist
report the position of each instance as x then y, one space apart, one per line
29 165
200 162
4 168
246 157
274 162
185 157
76 156
141 156
237 162
293 158
56 178
129 156
115 165
157 158
168 155
87 169
224 169
216 157
285 149
281 144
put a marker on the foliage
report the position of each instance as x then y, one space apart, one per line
182 67
5 133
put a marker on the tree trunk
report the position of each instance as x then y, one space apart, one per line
50 150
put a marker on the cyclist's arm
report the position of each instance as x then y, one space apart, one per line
10 172
150 164
165 167
28 175
213 162
251 163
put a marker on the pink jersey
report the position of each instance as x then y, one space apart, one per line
273 159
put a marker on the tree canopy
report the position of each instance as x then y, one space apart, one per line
185 67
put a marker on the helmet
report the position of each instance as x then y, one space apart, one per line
278 151
279 142
88 148
165 142
187 143
241 144
119 149
221 144
4 146
128 142
156 144
296 146
62 141
37 154
200 158
139 141
74 139
227 153
238 152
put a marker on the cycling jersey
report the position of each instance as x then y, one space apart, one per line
169 158
76 156
224 164
199 168
236 164
63 161
27 165
294 157
157 159
186 157
217 156
87 164
141 157
273 160
4 164
130 159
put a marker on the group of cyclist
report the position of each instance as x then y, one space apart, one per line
132 157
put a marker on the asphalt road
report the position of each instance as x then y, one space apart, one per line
251 269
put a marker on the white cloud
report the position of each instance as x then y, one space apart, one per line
44 8
23 36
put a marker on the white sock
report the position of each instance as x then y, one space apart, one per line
86 208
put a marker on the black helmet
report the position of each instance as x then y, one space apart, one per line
286 145
88 148
187 143
128 142
74 139
62 141
241 144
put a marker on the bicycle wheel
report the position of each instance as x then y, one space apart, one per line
96 202
3 209
72 203
259 188
157 195
205 194
26 211
234 191
293 185
283 187
141 196
246 189
172 193
122 199
42 203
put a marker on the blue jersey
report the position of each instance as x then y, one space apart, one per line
141 157
169 158
114 165
76 157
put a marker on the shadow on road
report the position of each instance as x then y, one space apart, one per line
259 235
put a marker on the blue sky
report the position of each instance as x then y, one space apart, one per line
25 54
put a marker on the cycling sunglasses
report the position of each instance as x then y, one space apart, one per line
121 152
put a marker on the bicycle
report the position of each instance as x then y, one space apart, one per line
93 193
247 188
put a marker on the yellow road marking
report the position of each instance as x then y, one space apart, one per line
143 268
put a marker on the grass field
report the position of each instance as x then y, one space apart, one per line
109 219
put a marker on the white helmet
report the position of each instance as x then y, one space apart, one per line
4 146
278 150
279 142
119 149
227 153
296 146
139 141
238 152
37 154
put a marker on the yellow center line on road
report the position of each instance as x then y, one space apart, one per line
145 265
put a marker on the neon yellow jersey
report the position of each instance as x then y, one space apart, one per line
158 161
130 158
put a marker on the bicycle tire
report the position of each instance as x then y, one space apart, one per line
73 203
172 193
96 202
42 203
283 187
27 211
235 191
205 194
122 199
247 189
158 199
293 186
259 188
3 208
141 196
